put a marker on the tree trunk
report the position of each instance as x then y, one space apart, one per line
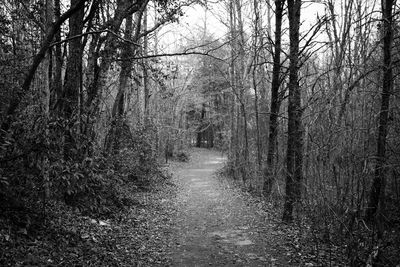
264 72
254 78
73 80
294 156
201 132
45 77
233 148
57 81
378 185
145 72
126 66
242 119
114 134
275 101
100 75
211 136
73 73
100 79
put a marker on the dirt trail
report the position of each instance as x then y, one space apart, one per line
216 225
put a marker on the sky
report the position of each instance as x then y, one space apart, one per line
191 25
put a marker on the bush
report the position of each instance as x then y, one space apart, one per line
182 156
93 185
137 161
90 185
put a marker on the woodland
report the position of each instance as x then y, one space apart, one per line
99 100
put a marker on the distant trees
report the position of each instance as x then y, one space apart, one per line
207 106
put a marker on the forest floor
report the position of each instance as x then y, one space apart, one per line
195 218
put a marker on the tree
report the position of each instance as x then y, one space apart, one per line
112 143
242 122
72 88
275 99
40 55
211 83
377 193
294 152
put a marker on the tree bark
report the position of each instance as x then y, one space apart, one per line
242 119
233 145
294 156
73 74
275 101
201 133
146 88
378 185
73 80
255 85
45 78
126 67
57 81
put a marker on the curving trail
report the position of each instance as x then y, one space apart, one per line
218 225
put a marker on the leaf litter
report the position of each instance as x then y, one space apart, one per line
196 218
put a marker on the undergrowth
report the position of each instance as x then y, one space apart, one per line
41 189
327 234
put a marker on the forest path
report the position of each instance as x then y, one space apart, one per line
216 224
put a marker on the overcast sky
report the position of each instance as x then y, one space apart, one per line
191 25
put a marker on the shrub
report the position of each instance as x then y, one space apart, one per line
182 156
